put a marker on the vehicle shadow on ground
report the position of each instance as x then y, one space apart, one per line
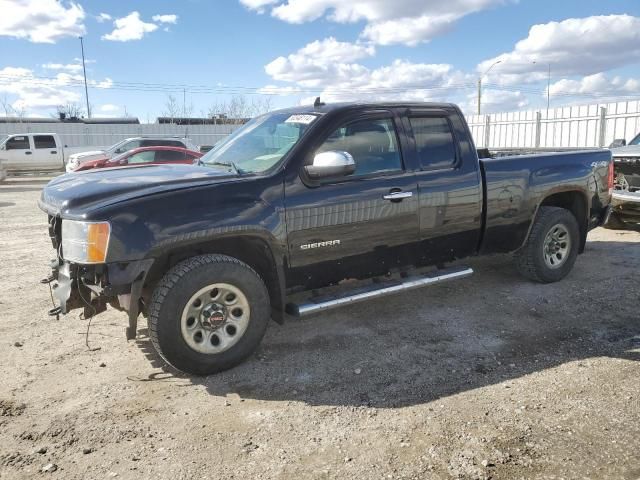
419 346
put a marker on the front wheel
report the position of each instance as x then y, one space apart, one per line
552 247
208 314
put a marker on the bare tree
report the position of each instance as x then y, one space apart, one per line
171 108
70 110
238 109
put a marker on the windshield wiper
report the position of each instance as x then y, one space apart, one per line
231 164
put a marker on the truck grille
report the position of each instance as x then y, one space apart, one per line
55 231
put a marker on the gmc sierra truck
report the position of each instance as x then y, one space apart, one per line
298 200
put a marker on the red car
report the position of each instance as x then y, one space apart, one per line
144 155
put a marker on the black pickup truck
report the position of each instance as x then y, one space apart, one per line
382 195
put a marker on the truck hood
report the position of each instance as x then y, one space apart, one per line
84 155
628 151
75 194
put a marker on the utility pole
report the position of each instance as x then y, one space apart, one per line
548 90
84 71
480 85
184 103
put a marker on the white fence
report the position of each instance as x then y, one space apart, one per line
96 135
580 126
577 126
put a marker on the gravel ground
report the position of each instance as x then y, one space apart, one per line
489 377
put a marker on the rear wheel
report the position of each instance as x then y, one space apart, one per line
208 314
552 247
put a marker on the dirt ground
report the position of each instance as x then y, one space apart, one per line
489 377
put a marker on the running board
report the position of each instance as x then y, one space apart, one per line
320 304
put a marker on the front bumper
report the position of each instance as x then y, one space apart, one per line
626 205
92 287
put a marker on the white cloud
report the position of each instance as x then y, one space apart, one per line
278 90
387 22
30 92
328 67
41 21
104 17
319 61
69 67
576 46
109 108
129 28
165 18
258 5
494 101
597 85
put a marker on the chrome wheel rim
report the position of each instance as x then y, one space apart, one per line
215 318
557 245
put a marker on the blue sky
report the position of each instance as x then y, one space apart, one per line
297 49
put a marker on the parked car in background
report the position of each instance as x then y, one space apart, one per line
626 194
32 152
126 145
144 155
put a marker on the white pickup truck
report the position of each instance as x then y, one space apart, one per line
33 152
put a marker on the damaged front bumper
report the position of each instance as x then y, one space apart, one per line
92 287
626 205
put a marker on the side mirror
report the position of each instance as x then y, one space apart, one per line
618 142
331 164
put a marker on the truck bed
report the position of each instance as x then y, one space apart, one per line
514 187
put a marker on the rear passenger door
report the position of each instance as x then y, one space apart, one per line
449 185
46 154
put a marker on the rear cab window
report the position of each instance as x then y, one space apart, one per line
435 143
44 141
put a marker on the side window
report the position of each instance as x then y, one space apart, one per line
169 156
373 145
128 146
44 141
434 142
18 143
142 157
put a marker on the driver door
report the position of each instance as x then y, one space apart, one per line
360 225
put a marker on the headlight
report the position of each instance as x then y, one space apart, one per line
85 242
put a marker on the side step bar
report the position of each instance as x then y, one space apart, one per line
320 304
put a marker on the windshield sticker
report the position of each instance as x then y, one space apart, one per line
304 119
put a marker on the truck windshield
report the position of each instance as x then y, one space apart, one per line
260 144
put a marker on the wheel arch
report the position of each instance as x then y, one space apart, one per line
251 249
574 201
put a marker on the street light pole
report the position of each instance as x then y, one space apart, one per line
480 85
84 71
548 90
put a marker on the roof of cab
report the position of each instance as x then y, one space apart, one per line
332 107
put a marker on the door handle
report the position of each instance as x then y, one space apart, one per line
53 152
398 195
27 153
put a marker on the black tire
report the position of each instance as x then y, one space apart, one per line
176 288
530 259
615 223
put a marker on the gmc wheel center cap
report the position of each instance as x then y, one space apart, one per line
213 315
